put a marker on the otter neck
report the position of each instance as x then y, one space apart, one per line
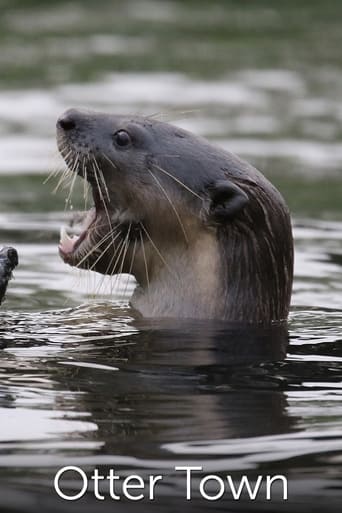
184 283
208 279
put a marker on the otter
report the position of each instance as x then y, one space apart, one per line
8 261
204 233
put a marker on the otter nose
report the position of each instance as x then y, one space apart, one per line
67 121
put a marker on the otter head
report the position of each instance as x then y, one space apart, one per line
198 228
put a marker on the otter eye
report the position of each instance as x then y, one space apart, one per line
122 138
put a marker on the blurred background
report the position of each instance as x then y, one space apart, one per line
260 78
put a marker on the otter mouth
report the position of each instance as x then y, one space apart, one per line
98 239
86 239
73 235
101 238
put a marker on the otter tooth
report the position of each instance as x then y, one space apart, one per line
66 242
64 237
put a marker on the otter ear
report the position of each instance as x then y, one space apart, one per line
226 200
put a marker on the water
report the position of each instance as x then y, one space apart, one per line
86 383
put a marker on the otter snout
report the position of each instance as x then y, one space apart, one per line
70 119
75 136
73 119
67 121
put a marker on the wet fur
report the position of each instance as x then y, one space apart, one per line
212 237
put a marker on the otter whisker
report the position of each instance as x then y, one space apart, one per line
104 184
144 257
117 252
65 150
102 179
170 116
55 172
84 171
67 155
100 190
171 204
95 248
110 161
101 194
178 181
86 189
61 151
120 255
97 175
118 249
58 168
131 265
126 248
68 199
86 184
157 250
155 115
103 252
126 244
64 173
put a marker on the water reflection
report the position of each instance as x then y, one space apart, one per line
159 381
98 381
136 359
